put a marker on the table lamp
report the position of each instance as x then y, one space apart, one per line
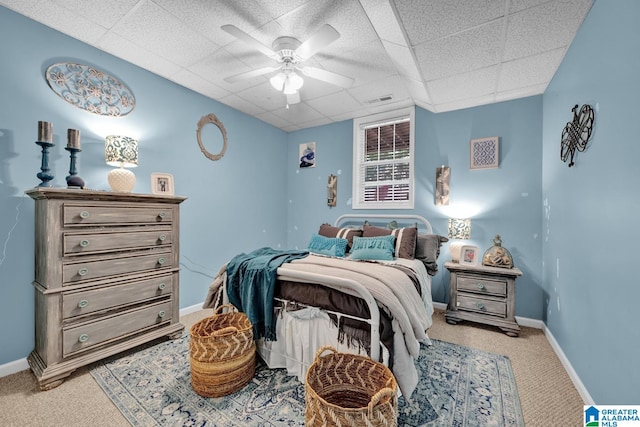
121 151
458 229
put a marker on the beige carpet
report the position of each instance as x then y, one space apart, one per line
546 393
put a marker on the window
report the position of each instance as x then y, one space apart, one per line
383 152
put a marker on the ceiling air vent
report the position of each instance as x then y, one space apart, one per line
383 98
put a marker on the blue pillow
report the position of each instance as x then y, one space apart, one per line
371 254
331 246
379 247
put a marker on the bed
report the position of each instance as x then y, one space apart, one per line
379 307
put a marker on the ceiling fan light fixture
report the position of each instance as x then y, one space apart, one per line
292 83
277 81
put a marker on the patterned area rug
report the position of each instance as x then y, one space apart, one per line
459 386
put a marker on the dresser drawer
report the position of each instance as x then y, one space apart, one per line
85 302
481 305
100 268
91 334
79 243
482 285
109 214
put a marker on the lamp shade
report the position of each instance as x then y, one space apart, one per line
121 151
458 229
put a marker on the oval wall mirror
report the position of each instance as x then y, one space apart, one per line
213 138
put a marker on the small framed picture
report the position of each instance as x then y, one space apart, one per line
162 183
484 153
469 255
307 155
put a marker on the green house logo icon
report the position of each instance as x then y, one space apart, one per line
591 417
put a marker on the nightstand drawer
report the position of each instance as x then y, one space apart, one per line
482 285
85 302
481 305
79 243
82 271
91 334
109 214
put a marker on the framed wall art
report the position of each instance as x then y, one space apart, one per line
469 255
162 183
484 153
307 155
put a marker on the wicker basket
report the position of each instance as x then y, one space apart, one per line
349 390
222 353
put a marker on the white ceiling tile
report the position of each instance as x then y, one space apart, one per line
131 52
241 104
529 71
334 104
221 64
548 26
106 14
196 83
466 103
521 92
403 60
469 50
426 20
362 64
272 119
382 16
298 113
393 86
264 96
153 28
469 85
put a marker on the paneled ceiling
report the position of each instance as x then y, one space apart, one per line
441 55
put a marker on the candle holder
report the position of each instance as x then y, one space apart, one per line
73 180
45 173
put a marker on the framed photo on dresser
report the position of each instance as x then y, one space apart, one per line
162 183
469 255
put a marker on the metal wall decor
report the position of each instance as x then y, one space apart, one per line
211 119
90 89
332 190
576 133
442 185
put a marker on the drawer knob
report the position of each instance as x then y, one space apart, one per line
84 243
161 215
481 286
480 305
83 303
84 214
161 261
161 314
162 237
83 271
83 338
161 286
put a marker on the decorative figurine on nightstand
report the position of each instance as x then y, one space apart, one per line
497 256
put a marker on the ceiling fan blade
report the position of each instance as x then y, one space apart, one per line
328 76
250 74
241 35
293 98
324 37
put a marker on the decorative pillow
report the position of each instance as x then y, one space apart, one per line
379 247
428 250
327 230
405 238
332 246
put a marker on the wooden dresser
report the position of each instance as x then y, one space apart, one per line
483 294
106 276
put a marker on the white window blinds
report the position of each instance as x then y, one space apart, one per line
383 161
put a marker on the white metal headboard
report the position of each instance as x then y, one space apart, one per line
390 217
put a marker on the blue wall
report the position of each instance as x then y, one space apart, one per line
233 205
503 201
590 210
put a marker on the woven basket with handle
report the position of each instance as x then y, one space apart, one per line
349 390
222 353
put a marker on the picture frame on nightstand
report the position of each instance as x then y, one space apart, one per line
469 255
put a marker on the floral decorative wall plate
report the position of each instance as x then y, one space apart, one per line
90 89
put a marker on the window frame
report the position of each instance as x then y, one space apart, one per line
359 143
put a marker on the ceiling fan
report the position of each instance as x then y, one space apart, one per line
289 53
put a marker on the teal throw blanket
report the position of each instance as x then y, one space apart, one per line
251 282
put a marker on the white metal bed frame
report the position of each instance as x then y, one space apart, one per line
349 286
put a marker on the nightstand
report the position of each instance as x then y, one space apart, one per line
483 294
